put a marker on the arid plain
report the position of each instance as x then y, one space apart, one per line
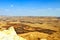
33 28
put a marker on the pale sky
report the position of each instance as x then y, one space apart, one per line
30 7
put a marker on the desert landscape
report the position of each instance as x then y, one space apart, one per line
33 27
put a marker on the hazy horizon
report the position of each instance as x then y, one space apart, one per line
30 7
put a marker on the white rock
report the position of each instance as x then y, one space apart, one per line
10 34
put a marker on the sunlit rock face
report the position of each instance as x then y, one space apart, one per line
10 34
43 39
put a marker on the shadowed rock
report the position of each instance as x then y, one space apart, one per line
26 29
